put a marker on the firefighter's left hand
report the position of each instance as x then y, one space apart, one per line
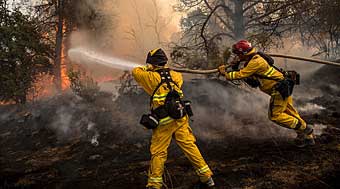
222 70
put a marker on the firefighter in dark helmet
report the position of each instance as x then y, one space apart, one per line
163 84
259 71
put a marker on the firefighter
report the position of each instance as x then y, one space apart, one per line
258 72
150 79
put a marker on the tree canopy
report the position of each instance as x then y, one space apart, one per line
23 54
212 25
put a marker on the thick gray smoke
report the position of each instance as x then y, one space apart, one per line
136 27
222 110
293 46
71 120
129 29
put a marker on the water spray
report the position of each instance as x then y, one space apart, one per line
85 56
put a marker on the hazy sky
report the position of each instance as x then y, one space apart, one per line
132 15
167 6
138 17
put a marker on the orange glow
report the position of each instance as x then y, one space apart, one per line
104 79
65 82
42 87
6 103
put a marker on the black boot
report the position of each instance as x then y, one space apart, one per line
303 139
206 185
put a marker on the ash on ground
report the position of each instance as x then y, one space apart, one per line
66 142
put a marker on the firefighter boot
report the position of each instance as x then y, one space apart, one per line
305 138
209 184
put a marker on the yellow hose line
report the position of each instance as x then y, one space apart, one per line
186 70
305 59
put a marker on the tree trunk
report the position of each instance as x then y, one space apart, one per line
58 48
239 29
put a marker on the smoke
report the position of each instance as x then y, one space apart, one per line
222 110
62 123
293 46
135 27
296 48
67 116
94 133
311 108
74 121
125 29
319 129
144 25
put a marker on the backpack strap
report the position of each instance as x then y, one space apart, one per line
165 78
270 62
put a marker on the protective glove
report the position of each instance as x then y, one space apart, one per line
147 67
235 61
222 70
234 64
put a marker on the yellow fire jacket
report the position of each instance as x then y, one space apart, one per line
149 80
256 68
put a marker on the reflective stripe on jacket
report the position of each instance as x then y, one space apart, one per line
256 67
149 80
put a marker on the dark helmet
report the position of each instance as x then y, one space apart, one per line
242 47
157 57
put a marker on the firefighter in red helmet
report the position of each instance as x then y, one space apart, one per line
259 71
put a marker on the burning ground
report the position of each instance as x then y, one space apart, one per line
65 142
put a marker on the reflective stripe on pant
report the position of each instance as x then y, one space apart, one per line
283 112
184 138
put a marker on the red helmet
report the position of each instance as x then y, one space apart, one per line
242 47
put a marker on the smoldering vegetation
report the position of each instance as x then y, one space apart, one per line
221 110
65 141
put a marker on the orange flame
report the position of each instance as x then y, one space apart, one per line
6 103
44 85
65 82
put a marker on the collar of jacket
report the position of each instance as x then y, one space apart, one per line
158 68
250 56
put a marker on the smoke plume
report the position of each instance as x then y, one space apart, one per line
220 110
138 27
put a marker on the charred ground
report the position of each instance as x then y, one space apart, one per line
52 143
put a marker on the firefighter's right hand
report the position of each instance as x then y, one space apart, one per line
235 61
222 70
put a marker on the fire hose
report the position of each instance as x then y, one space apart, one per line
186 70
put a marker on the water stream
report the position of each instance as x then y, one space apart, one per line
86 56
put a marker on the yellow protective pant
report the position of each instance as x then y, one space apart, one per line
283 113
161 138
